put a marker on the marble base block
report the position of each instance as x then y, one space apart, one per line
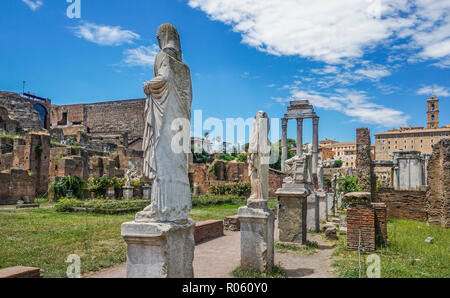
323 208
313 220
127 192
292 219
159 250
257 239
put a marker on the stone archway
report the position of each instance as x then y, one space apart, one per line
43 114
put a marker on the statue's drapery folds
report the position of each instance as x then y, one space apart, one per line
169 99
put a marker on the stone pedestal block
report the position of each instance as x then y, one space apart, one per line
146 192
127 192
159 250
313 218
257 239
292 212
323 206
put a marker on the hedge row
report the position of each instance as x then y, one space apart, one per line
101 206
210 200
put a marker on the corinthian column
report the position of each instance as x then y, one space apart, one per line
315 144
284 123
299 136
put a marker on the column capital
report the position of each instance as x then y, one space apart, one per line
284 122
316 120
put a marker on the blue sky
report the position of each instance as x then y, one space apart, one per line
360 62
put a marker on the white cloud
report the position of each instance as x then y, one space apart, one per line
33 5
337 31
436 89
105 35
141 56
355 104
374 72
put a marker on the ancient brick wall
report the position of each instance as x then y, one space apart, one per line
361 218
37 159
15 184
229 172
403 204
119 117
438 195
380 223
21 111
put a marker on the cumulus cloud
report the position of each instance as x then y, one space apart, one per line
353 103
336 31
105 35
33 5
141 56
436 89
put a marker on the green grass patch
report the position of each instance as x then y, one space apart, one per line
276 272
310 248
406 256
44 238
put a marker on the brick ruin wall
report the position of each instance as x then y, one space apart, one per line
229 172
361 218
103 122
403 204
438 195
20 115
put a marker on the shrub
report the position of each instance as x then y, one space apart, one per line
66 205
242 157
348 184
210 200
238 189
63 184
225 157
102 206
99 185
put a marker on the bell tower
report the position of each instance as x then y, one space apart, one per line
433 112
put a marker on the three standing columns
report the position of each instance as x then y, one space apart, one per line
315 142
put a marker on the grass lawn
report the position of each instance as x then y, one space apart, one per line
407 255
44 238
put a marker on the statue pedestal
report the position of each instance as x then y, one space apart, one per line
257 239
313 212
323 206
292 213
159 250
128 192
146 192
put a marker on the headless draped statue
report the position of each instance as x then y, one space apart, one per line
258 160
168 106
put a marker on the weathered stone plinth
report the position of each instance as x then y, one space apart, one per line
146 192
257 239
159 250
292 213
323 206
313 219
128 192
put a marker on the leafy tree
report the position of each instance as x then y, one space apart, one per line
242 157
291 143
338 163
203 157
62 185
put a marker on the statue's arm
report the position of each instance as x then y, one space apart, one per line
159 83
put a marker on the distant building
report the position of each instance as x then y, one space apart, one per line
413 138
202 143
346 151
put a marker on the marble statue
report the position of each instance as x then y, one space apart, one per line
259 155
169 99
256 219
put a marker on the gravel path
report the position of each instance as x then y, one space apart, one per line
218 257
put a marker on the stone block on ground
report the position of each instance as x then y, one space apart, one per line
343 220
232 223
207 230
330 233
20 272
343 230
